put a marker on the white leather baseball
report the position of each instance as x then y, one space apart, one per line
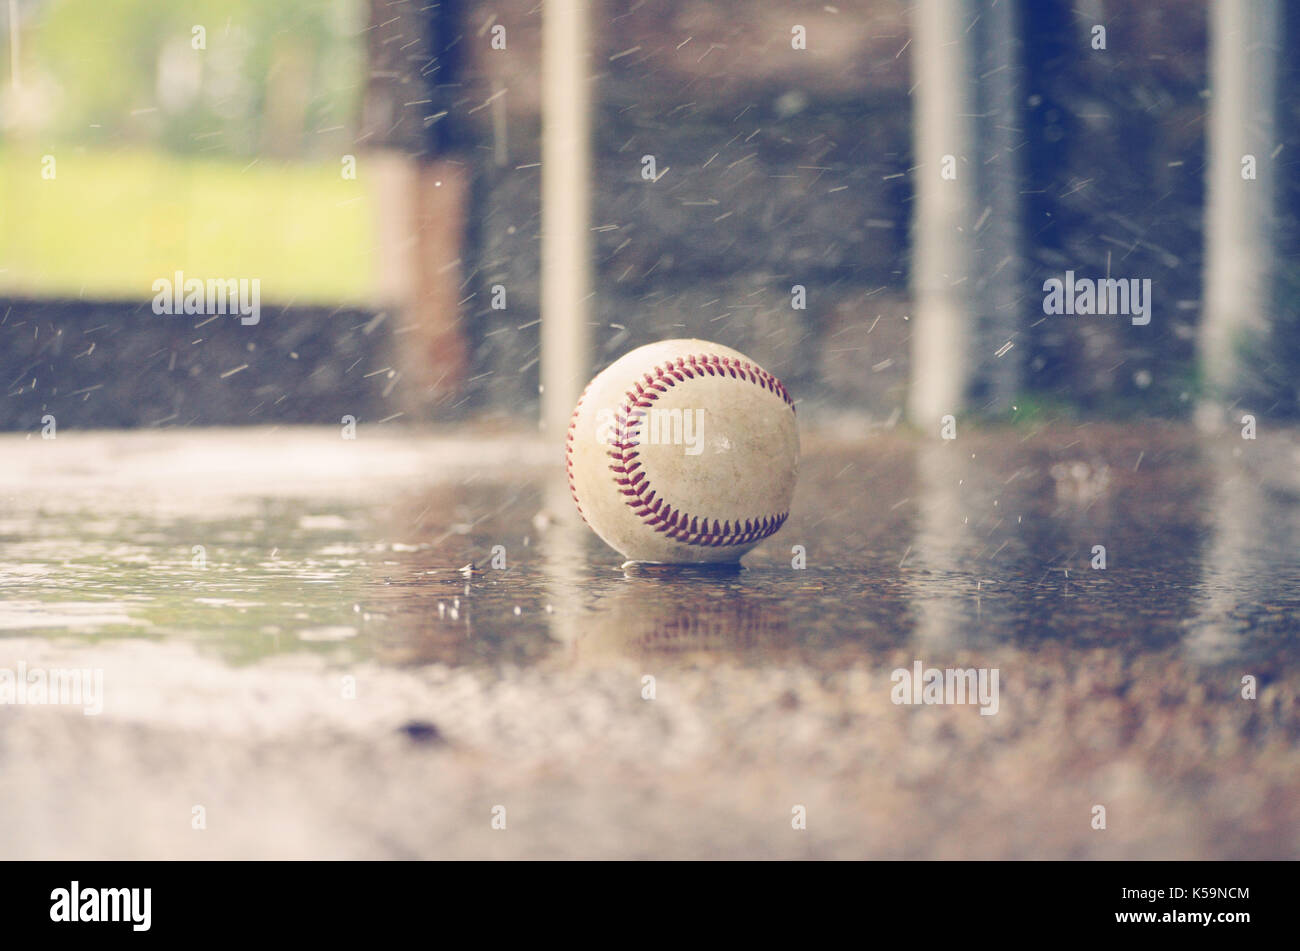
683 451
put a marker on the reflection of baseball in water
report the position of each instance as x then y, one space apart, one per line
683 451
642 620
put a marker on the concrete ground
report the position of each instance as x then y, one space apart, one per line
298 660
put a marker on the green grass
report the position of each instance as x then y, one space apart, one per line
111 223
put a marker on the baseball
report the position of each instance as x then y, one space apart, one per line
683 452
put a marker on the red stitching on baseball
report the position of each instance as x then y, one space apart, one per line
678 526
568 453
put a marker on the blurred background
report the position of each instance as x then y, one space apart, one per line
377 166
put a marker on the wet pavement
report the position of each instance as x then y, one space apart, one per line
361 648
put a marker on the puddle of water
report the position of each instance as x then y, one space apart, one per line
376 636
257 543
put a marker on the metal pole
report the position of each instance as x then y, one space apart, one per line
941 256
566 183
1244 38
